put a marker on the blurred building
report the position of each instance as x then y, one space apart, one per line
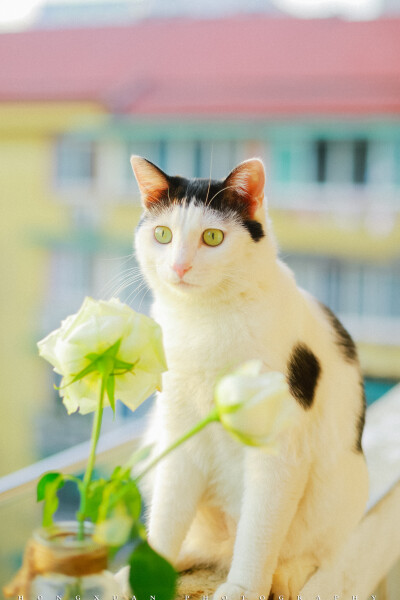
67 14
319 101
122 12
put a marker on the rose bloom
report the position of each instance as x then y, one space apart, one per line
255 408
92 330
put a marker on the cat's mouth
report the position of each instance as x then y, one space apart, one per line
184 285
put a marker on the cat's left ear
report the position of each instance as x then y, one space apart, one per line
248 179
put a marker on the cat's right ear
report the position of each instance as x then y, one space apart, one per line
153 183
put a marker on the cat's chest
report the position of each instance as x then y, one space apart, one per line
217 340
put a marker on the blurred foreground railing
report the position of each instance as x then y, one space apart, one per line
115 443
370 560
19 512
337 199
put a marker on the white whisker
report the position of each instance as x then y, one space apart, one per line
120 278
209 179
228 187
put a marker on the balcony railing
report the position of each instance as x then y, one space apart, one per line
377 201
368 564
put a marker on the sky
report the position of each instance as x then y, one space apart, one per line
17 14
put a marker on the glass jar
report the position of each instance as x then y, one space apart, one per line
70 569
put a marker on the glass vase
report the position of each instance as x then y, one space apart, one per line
70 569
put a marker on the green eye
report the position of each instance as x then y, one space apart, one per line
213 237
163 234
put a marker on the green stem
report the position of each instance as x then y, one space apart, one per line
210 418
92 457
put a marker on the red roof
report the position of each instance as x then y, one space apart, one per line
239 66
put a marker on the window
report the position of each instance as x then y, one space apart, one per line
322 153
75 163
215 157
69 281
195 158
350 288
180 158
341 161
360 161
76 272
154 151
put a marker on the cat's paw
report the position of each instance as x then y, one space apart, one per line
122 578
231 591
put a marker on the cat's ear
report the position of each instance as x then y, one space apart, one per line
248 179
152 182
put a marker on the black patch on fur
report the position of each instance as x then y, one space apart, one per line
255 229
210 193
361 418
343 339
303 374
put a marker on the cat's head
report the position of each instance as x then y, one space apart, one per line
197 236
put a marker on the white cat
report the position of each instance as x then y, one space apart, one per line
222 296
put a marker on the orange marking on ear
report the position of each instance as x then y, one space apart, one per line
152 182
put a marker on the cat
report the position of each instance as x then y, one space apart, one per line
222 296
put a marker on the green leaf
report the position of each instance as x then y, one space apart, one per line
132 499
118 473
43 482
119 493
94 496
151 574
47 489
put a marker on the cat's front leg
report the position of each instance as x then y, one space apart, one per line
178 487
273 487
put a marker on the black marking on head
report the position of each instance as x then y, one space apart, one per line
361 418
343 338
255 229
213 194
303 374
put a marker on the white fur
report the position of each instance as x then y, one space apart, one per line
270 520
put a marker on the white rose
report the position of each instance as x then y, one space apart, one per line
255 407
97 326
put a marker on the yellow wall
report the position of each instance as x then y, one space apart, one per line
43 118
320 234
26 203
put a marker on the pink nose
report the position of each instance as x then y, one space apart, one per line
181 269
